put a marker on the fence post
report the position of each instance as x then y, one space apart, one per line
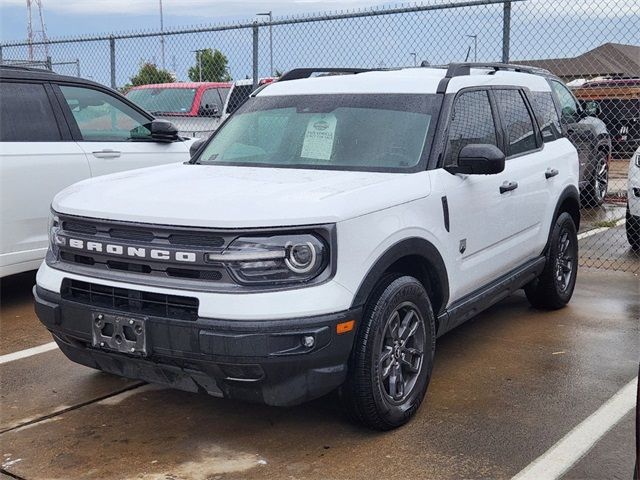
48 63
112 58
255 55
1 58
506 32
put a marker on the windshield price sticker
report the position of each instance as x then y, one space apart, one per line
319 137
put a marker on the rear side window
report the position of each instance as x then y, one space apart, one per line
26 114
471 122
546 110
211 103
517 122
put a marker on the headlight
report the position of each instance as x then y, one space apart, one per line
54 227
275 260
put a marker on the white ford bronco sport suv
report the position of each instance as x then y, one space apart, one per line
323 237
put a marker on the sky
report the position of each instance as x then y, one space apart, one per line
77 17
540 29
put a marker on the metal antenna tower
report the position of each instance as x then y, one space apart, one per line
36 35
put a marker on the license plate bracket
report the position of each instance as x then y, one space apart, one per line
120 333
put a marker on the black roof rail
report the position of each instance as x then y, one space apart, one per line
26 68
461 69
298 73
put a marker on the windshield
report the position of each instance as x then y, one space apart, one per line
341 132
163 100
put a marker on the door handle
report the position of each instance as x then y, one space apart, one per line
508 186
106 153
550 173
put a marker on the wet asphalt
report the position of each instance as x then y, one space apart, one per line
506 387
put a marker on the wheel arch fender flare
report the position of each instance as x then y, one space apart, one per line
568 201
408 247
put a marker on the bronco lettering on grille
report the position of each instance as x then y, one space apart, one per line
139 252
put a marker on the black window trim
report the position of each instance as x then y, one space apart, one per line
68 115
58 113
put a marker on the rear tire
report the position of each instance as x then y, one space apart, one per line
554 287
633 230
392 358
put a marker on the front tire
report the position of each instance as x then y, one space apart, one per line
392 358
554 287
633 230
596 190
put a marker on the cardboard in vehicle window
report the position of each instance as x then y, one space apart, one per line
319 137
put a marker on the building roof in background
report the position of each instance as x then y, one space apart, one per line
607 60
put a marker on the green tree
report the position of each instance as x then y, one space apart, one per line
213 64
150 73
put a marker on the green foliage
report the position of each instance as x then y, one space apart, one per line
150 73
214 67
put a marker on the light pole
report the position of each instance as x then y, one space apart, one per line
198 53
161 35
270 15
475 46
415 58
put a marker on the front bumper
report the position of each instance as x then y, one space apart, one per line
259 361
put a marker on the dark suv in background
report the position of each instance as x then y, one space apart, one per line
617 101
591 138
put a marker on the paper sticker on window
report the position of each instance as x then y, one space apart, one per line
319 137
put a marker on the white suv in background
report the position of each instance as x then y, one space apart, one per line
322 238
633 202
55 131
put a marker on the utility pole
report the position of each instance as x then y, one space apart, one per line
506 31
475 47
415 58
198 53
270 15
161 35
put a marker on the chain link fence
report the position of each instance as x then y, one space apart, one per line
197 76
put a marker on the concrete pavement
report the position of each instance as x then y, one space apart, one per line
506 386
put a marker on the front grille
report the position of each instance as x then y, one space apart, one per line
196 240
130 301
154 234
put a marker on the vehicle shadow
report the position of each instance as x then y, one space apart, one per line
16 289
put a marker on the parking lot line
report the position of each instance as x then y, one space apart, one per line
556 461
596 231
10 357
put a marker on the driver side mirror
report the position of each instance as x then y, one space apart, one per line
163 131
209 110
195 146
479 159
591 108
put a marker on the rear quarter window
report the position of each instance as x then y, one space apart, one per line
26 114
547 114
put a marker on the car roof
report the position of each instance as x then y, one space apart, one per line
419 80
616 82
26 73
183 85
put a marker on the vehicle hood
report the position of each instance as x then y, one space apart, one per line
238 197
